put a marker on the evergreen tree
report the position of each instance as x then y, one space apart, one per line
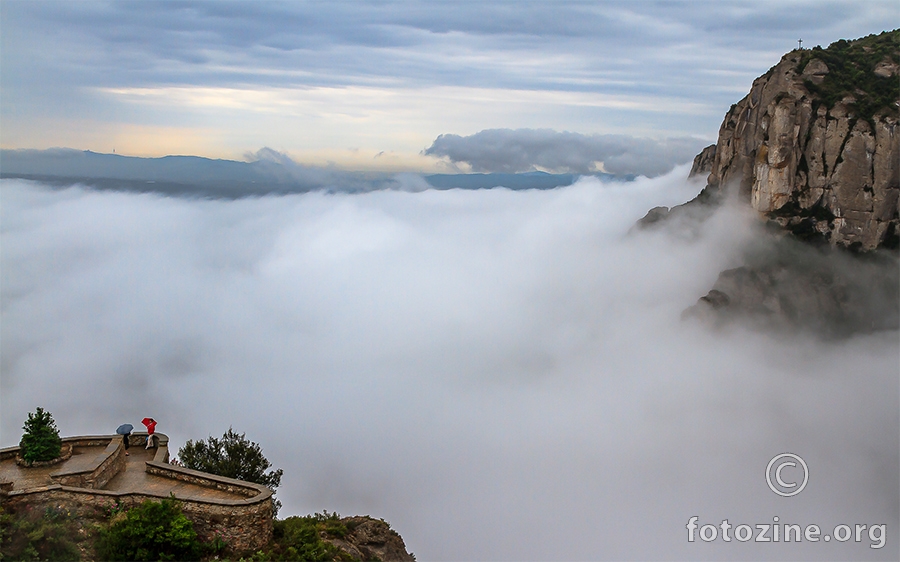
41 441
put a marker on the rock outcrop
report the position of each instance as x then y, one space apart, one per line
788 285
703 162
370 539
816 147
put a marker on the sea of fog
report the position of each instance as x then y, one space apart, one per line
501 375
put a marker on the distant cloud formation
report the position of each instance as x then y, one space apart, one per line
219 78
524 150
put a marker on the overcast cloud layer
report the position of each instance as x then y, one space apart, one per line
369 85
502 375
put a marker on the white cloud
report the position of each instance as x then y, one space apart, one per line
523 150
499 374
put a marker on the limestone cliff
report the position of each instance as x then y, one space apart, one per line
703 162
814 148
368 539
815 145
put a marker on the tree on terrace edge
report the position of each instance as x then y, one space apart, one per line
232 456
41 441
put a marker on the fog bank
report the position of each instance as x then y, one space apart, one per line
499 374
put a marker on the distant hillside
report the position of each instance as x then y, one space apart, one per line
193 176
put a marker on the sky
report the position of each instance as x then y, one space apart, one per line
387 85
501 374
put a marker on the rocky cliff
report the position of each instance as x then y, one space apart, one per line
814 148
815 145
368 539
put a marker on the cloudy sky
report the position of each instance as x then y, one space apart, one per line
372 86
501 374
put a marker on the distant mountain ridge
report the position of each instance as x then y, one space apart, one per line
272 173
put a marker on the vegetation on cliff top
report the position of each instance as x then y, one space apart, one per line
851 72
158 530
40 534
150 531
302 538
328 537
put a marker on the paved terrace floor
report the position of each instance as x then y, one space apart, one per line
133 479
28 478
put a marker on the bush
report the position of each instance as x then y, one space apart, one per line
47 534
300 538
851 66
151 531
233 456
41 441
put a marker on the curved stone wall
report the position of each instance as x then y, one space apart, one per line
244 523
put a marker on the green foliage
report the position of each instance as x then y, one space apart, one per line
851 72
301 538
151 531
37 535
213 548
41 441
232 456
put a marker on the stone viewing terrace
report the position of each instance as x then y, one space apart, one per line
98 476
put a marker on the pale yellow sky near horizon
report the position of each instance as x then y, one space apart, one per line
371 86
360 128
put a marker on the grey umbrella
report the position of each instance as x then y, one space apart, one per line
125 429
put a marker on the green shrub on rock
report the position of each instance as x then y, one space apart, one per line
151 531
39 534
301 538
41 441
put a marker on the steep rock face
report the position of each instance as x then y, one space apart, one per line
815 149
790 285
370 539
817 169
703 162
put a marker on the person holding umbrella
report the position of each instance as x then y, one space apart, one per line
125 431
151 429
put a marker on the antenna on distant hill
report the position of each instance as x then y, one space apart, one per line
800 44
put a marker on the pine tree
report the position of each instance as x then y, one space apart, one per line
41 441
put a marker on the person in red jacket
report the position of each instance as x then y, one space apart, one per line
151 429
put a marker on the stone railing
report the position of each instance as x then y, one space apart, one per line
96 474
244 523
206 480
